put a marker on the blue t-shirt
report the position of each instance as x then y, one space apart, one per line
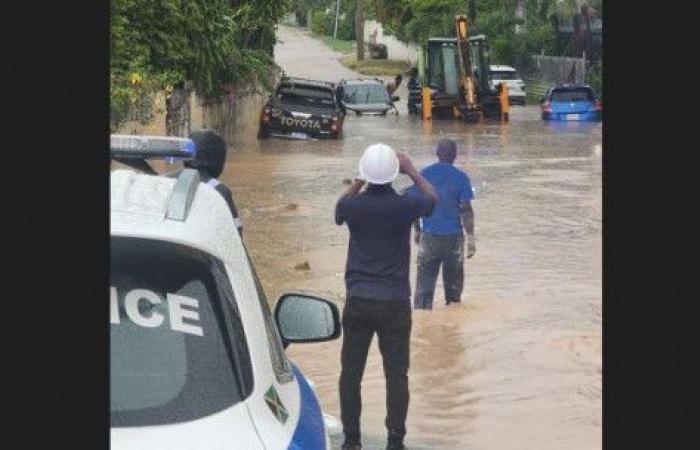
453 187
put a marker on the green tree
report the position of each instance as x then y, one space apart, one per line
157 44
416 20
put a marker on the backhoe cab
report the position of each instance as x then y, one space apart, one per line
453 78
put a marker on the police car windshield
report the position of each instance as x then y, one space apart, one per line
177 348
366 93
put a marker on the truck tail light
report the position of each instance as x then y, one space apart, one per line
265 114
547 107
598 105
336 124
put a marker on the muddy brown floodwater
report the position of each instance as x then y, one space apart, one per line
518 364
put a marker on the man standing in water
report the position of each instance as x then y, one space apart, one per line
392 86
377 285
441 240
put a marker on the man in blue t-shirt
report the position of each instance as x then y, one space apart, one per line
440 235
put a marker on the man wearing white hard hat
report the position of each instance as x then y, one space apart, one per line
377 284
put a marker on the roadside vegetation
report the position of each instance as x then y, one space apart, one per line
516 29
383 67
207 44
338 45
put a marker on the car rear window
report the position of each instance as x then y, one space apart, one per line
504 75
306 95
177 347
366 93
572 95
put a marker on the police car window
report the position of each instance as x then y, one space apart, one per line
366 93
177 348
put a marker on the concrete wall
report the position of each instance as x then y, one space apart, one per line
235 116
395 48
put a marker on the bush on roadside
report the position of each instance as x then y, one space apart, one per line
157 45
594 78
375 67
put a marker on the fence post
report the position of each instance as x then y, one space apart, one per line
337 11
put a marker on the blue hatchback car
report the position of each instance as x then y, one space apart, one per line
571 102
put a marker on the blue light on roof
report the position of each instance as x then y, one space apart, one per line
188 146
151 147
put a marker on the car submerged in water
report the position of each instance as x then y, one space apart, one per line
367 96
301 108
197 358
571 102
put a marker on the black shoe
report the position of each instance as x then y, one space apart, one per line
347 446
395 441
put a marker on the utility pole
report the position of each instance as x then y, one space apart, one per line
360 30
337 11
520 14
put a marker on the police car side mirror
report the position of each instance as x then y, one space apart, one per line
305 318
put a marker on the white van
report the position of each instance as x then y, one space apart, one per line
516 86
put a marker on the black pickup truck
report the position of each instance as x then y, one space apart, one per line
302 108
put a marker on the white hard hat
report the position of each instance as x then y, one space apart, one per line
379 164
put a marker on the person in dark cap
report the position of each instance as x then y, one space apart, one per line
441 235
392 86
209 161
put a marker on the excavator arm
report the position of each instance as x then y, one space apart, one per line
470 105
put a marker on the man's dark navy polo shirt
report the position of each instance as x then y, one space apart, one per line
379 250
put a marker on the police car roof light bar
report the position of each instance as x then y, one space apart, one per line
125 146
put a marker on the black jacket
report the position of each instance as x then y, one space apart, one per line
209 162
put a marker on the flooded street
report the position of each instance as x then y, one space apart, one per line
518 364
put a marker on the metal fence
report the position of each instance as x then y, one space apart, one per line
540 72
559 69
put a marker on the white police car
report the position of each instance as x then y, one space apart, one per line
197 359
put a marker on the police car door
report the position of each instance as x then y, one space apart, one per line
288 415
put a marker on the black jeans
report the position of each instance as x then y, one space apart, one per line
436 250
392 323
